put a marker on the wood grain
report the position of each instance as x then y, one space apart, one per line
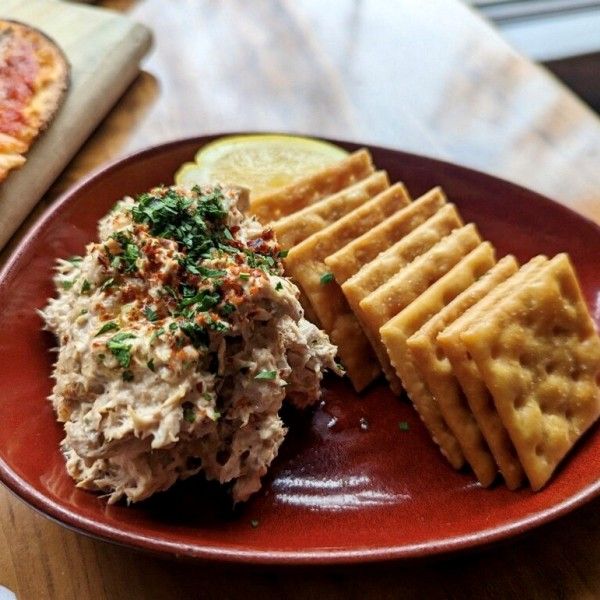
428 77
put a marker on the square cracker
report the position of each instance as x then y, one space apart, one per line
539 354
478 396
348 260
295 228
396 332
312 188
409 283
388 263
439 376
306 264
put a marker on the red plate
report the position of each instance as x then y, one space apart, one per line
337 492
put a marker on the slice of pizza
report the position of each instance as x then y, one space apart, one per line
34 77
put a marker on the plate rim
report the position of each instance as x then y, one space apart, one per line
44 505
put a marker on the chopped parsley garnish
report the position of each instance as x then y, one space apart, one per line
109 326
66 284
150 365
326 278
203 299
264 374
189 414
120 349
173 326
245 276
130 252
279 286
157 334
197 226
403 426
211 273
108 283
227 309
86 286
74 259
283 253
197 334
127 375
170 291
150 314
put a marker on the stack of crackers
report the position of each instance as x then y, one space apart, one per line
501 361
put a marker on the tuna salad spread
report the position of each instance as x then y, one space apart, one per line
179 339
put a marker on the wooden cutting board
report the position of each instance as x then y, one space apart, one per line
104 49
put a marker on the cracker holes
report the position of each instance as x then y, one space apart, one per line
550 367
559 331
539 449
495 350
519 401
575 374
525 360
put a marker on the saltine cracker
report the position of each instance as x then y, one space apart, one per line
437 371
395 333
478 396
409 283
539 354
353 256
312 188
305 263
388 263
295 228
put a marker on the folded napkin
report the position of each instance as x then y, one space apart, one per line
104 49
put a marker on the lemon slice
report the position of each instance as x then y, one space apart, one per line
261 163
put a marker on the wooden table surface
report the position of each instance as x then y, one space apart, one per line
428 77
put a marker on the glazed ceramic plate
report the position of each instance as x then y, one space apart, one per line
349 484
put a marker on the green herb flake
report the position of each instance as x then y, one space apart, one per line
150 314
157 334
196 333
66 284
227 309
173 326
189 414
74 260
120 349
86 286
127 375
203 299
403 426
279 286
170 291
264 374
283 253
326 278
150 365
108 283
109 326
244 276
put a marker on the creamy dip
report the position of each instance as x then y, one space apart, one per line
179 339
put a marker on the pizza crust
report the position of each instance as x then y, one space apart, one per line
50 86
